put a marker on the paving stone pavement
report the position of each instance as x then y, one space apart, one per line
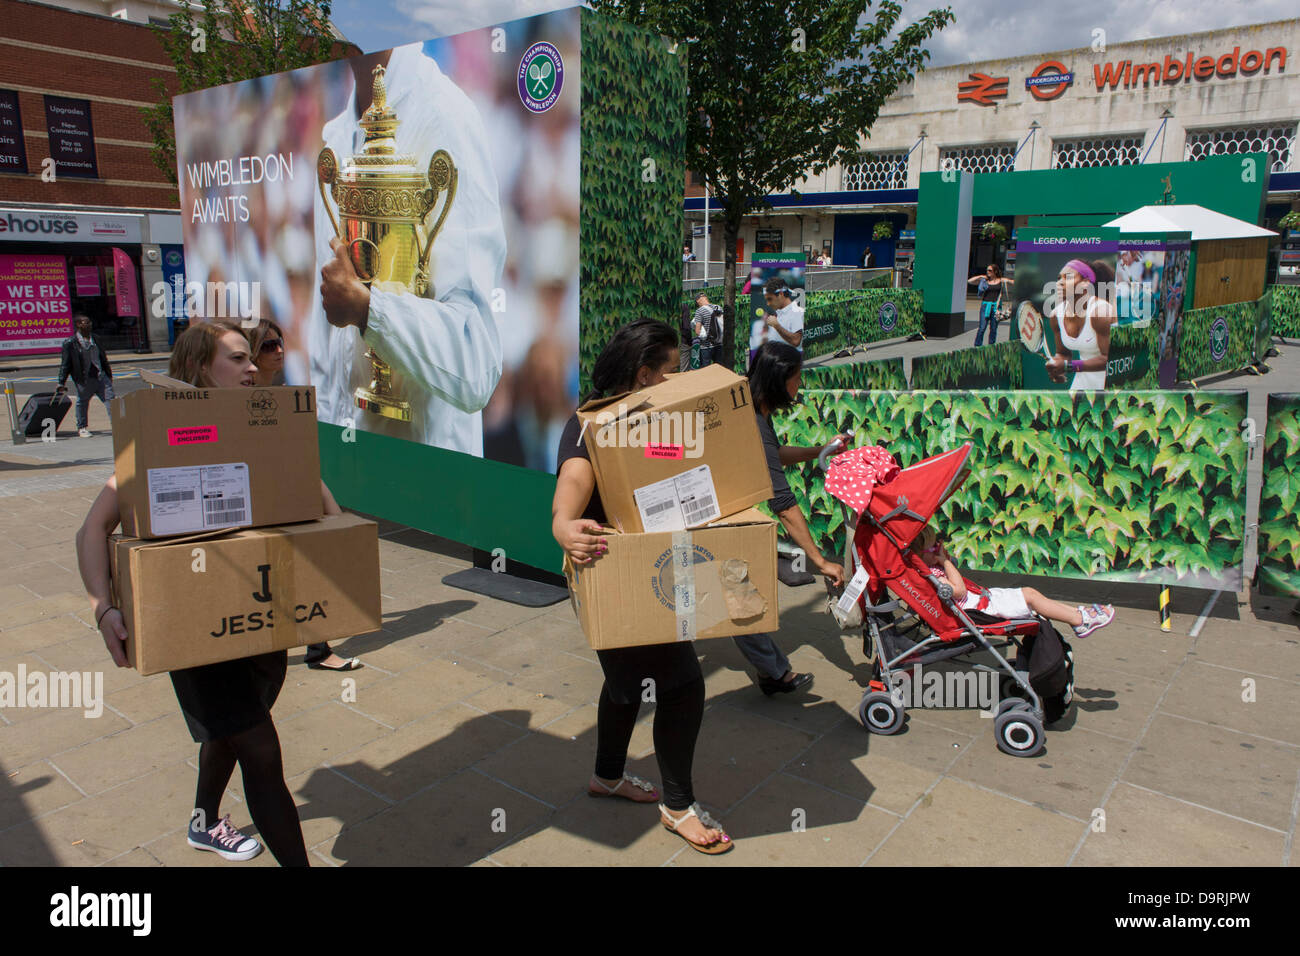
471 733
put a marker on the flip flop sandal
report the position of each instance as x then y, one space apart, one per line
634 780
695 810
348 665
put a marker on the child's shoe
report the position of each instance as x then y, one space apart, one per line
1094 616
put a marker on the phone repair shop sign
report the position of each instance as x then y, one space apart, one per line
33 225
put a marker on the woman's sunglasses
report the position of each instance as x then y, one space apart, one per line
270 345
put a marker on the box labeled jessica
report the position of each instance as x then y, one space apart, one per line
205 459
678 454
660 587
204 599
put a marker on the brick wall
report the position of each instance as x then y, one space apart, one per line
50 50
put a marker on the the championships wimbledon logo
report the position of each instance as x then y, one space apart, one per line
1219 339
888 316
541 76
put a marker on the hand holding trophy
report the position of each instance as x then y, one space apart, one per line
385 201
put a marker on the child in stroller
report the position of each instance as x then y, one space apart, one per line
1008 603
887 509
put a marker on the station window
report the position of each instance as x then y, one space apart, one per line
1277 139
877 171
985 158
1102 151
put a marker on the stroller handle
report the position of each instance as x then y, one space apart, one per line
834 448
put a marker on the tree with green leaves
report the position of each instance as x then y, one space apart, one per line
212 43
780 91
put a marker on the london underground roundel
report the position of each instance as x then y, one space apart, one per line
1049 80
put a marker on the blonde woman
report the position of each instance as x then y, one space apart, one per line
227 706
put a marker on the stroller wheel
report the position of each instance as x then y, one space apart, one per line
1019 732
1010 703
1009 689
880 714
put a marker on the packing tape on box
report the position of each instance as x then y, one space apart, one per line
284 591
684 585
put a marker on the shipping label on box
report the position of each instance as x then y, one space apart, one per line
204 599
639 441
660 587
203 459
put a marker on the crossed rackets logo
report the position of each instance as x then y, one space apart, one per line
1219 339
541 76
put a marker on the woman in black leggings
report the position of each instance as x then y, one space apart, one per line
639 354
227 706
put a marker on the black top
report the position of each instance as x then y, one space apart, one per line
79 362
782 497
670 666
572 445
991 291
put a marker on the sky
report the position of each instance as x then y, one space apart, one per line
983 29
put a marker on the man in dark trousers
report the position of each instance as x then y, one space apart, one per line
86 361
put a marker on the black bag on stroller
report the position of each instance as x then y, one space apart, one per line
1050 663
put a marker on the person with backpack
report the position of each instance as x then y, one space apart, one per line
706 330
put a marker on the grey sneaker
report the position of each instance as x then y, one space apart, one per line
225 841
1094 617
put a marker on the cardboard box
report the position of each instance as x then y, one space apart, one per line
209 598
679 454
204 459
637 594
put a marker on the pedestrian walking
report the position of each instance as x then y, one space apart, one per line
227 705
85 359
640 354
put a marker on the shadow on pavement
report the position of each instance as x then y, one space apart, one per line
36 852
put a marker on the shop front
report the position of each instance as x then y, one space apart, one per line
55 264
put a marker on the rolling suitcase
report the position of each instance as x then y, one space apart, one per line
39 408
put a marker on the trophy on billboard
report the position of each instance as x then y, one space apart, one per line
384 201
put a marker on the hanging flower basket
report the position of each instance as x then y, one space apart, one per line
995 231
882 230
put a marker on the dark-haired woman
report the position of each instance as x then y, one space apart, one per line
639 355
775 376
1083 320
993 288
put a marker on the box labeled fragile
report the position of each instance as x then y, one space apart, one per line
679 454
660 587
204 459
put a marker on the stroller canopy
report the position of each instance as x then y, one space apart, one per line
900 508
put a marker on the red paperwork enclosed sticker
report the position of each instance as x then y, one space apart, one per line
194 435
675 452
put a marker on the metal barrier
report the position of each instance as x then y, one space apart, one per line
17 434
816 278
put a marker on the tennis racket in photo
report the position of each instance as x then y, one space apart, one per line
1029 322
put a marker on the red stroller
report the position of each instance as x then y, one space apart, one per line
932 626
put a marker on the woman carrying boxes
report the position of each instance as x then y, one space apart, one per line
639 355
775 375
227 705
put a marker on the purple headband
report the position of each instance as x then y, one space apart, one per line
1085 270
